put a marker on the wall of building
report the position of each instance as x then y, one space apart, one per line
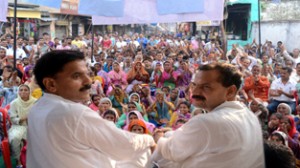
253 18
286 31
285 10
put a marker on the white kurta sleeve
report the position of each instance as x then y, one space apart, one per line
104 136
191 138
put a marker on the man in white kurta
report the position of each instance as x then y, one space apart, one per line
228 136
62 132
67 134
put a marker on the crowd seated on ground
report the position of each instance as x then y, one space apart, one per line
141 84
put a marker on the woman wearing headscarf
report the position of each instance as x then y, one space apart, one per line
140 159
160 110
111 115
183 112
288 127
175 97
131 106
135 97
19 110
136 115
284 109
104 105
168 76
185 75
117 77
279 138
137 75
119 99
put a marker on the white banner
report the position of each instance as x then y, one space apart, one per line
3 10
145 11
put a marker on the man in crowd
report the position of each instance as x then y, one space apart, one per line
258 84
282 90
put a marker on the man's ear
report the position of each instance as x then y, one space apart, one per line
50 84
231 92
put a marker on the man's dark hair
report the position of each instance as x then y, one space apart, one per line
53 62
288 69
228 74
45 34
278 156
93 96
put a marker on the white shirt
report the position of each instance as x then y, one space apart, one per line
62 133
121 44
228 136
141 161
289 87
295 77
20 53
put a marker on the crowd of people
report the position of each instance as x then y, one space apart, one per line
149 85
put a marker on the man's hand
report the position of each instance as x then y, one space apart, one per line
158 133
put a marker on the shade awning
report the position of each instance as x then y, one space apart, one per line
24 13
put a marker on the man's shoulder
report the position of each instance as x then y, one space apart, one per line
57 102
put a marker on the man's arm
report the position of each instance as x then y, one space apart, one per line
191 133
102 135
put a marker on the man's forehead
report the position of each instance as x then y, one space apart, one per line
205 76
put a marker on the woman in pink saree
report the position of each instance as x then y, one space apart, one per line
117 77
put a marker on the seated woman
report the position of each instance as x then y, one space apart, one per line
175 97
284 109
183 111
156 75
95 102
131 106
97 83
142 158
161 110
19 110
279 138
137 75
184 75
136 115
274 122
104 105
118 98
111 115
117 77
168 77
288 127
135 97
146 99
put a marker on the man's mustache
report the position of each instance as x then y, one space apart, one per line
85 87
198 97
